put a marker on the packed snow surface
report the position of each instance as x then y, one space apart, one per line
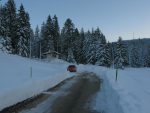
16 82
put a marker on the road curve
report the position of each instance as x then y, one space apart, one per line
73 95
79 97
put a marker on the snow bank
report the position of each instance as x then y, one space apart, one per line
133 89
106 100
130 94
16 83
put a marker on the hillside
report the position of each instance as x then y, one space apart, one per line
16 83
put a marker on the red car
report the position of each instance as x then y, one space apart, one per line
72 68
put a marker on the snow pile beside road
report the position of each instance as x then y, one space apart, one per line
130 94
16 83
107 99
132 88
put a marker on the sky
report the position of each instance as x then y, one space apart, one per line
126 18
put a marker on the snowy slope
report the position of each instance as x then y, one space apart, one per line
130 94
16 84
132 88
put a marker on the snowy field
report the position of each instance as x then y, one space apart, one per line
130 94
16 83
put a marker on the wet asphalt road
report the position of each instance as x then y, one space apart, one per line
79 98
73 95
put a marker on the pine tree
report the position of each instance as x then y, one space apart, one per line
109 54
49 43
103 55
70 57
56 34
1 16
1 30
24 32
10 26
147 58
91 57
43 37
98 35
76 47
135 59
67 37
101 48
89 51
32 44
43 31
82 58
37 33
121 58
141 52
94 47
36 43
5 41
100 54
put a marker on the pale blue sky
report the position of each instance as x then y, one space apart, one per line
114 17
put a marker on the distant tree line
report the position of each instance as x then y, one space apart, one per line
76 46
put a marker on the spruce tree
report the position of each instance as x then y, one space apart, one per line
37 33
91 58
76 47
100 54
3 24
82 58
10 26
147 58
98 36
89 50
70 57
1 16
101 48
24 32
49 42
43 31
32 44
121 57
135 59
141 52
95 47
109 54
36 43
67 37
56 34
43 37
103 55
